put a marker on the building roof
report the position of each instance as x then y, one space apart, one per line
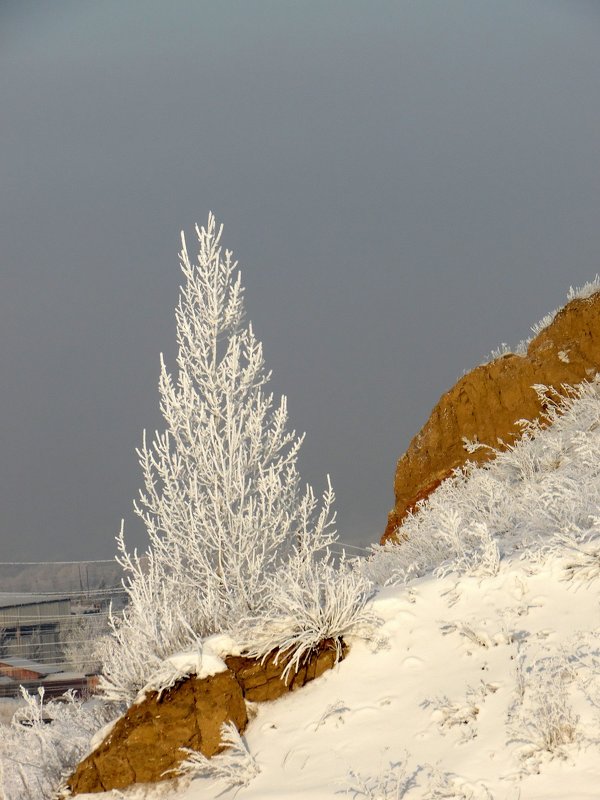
67 677
13 599
32 666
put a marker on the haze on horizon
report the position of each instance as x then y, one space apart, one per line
405 184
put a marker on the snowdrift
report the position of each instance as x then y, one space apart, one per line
481 676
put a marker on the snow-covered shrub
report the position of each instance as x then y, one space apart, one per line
545 321
579 292
310 601
447 786
153 626
582 556
552 722
45 741
334 711
448 713
222 500
544 720
8 706
479 637
520 677
81 635
391 783
587 290
585 659
542 492
476 551
506 350
235 766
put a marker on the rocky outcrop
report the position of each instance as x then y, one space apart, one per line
487 403
145 743
260 681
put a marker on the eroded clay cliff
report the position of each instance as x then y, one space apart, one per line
486 404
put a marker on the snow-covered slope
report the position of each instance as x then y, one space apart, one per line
480 677
452 693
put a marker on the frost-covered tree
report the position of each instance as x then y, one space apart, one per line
80 636
222 500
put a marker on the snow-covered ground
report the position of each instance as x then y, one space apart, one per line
438 691
463 687
480 676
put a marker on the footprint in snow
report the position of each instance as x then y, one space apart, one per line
412 662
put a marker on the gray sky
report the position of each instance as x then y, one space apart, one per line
406 185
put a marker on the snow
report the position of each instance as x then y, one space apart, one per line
436 687
205 661
479 677
102 734
200 664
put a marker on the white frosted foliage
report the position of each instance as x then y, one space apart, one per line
542 492
222 500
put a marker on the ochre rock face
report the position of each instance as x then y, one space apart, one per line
261 680
145 744
487 403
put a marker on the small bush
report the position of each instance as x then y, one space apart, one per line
392 783
310 601
545 720
45 741
235 766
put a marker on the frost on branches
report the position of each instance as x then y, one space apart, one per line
540 495
45 741
222 501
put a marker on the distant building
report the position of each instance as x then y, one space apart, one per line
30 626
22 669
31 675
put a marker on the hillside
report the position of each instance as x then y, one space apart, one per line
487 403
480 677
474 643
